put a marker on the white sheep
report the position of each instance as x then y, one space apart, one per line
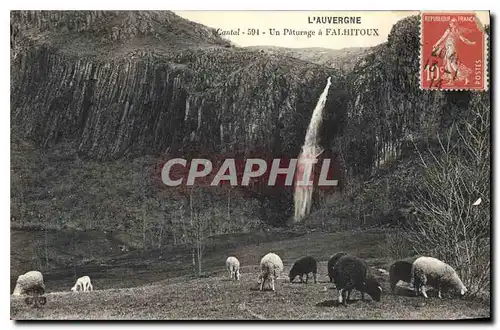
83 283
434 272
29 283
271 267
233 267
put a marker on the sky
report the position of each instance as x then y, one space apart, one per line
265 20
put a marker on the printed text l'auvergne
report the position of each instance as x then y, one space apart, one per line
334 19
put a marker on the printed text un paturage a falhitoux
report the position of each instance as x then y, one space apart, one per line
307 33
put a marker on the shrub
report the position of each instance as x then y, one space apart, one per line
449 225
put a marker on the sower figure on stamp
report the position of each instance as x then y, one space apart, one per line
453 68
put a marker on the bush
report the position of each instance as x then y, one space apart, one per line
449 224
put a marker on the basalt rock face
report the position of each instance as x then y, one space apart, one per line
124 85
387 108
109 33
386 103
134 83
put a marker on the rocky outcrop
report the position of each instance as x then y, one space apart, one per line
145 99
107 34
123 85
387 108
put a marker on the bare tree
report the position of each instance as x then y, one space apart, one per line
201 224
450 224
46 249
229 208
199 243
192 223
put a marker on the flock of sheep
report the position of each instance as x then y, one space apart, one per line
350 273
346 271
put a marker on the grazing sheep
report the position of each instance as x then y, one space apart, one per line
271 267
436 273
303 267
400 271
352 273
331 263
83 283
29 283
233 267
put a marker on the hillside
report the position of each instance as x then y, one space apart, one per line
146 292
109 34
100 100
133 98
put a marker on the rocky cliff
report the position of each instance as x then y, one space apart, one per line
106 89
388 112
134 83
114 87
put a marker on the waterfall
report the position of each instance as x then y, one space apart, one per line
308 156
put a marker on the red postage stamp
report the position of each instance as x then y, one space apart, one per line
453 53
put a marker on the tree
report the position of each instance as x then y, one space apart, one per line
202 222
450 224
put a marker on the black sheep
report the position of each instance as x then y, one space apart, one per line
303 266
331 263
400 271
353 273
